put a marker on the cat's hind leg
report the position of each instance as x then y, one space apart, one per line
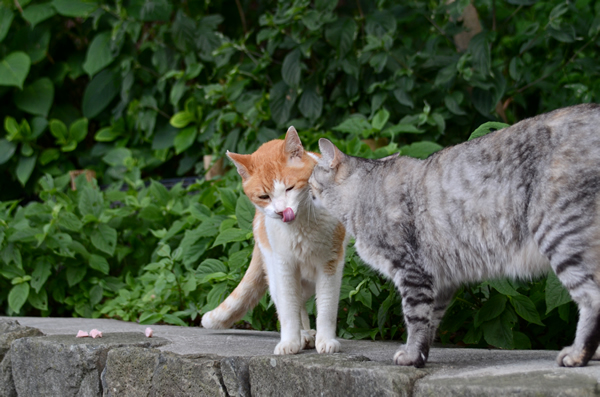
571 262
418 297
243 298
443 297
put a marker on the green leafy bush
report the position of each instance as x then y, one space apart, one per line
140 89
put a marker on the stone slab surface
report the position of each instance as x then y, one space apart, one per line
182 361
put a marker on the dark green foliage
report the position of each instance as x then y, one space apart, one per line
141 89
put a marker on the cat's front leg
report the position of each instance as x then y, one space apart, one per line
329 281
286 277
416 288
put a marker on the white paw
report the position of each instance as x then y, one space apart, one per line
328 346
571 357
208 321
308 338
405 357
288 347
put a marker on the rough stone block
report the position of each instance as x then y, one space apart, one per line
133 371
329 375
534 384
11 330
236 376
62 365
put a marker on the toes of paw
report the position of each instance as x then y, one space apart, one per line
330 346
287 348
402 357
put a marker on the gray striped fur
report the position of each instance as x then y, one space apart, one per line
513 203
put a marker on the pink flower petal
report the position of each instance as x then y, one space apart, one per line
148 332
82 334
95 333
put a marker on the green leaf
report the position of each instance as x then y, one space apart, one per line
556 294
526 309
90 201
75 275
6 18
96 294
402 97
244 212
25 168
36 98
7 150
341 34
69 221
103 88
210 266
492 308
149 318
99 263
59 130
486 128
311 103
355 125
14 68
497 332
184 139
40 274
75 8
291 70
79 129
37 13
420 150
160 192
39 300
181 119
281 101
380 119
504 287
231 235
104 238
215 296
228 198
117 156
99 54
18 296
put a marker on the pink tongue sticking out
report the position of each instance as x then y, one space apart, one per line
288 215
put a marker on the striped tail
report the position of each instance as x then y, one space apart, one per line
245 296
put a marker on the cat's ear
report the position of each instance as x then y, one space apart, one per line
331 154
242 163
293 145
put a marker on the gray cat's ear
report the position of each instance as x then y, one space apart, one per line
242 163
293 145
331 154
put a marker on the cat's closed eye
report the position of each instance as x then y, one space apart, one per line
264 197
289 188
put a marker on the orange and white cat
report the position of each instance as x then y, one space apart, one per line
299 248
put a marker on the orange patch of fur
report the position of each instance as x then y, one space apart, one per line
260 231
339 236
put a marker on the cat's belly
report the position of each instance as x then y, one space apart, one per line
471 266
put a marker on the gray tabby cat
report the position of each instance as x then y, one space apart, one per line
512 203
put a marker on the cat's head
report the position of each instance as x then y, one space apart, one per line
275 177
331 171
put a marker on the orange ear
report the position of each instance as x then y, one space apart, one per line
242 163
293 145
